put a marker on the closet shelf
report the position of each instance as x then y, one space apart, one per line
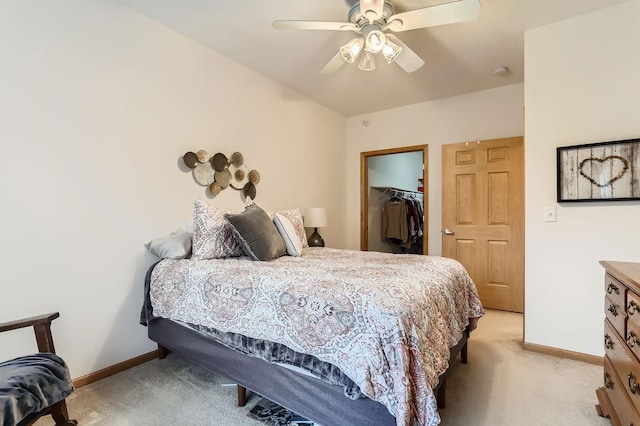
397 191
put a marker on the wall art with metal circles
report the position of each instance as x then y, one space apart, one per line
219 172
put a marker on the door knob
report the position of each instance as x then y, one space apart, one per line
448 231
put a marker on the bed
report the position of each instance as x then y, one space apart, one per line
342 337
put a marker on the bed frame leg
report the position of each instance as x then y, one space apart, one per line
242 396
463 353
163 352
441 394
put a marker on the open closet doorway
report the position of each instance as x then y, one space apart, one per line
393 200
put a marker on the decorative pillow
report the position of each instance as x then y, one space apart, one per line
213 235
185 228
174 246
295 216
288 234
259 236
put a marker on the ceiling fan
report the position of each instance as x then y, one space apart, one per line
371 18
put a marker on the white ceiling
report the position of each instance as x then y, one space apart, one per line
459 57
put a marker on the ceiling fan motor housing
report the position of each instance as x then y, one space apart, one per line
358 18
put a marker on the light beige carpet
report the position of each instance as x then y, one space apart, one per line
505 385
501 385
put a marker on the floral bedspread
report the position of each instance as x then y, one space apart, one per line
387 321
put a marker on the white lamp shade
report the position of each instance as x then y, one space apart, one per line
375 41
391 51
367 63
315 217
351 50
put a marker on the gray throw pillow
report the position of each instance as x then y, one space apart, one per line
174 246
257 233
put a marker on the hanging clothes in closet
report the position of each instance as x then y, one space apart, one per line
402 220
394 221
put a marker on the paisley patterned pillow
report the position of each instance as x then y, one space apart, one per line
295 216
213 235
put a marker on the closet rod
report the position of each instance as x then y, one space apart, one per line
396 191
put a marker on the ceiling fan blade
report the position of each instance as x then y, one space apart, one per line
333 65
442 14
407 59
314 25
372 9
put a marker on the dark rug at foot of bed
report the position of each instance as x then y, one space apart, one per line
275 415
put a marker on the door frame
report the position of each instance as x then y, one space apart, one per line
364 190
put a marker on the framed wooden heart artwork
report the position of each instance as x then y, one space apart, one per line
605 171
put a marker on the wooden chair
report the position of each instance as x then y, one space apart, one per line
42 328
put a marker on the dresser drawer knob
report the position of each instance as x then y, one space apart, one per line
632 307
608 343
608 383
635 387
613 289
632 340
614 310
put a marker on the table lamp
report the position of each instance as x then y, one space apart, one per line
315 217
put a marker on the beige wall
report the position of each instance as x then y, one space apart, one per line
582 86
481 115
97 106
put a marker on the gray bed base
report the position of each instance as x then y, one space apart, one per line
307 396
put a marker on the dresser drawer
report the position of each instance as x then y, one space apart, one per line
632 309
622 406
615 312
624 363
614 289
633 323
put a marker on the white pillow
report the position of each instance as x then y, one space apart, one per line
185 228
295 216
289 235
174 246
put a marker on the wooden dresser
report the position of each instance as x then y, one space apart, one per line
619 398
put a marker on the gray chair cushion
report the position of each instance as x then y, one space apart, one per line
31 383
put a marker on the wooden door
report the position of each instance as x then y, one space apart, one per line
483 217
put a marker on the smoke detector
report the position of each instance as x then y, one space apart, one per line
501 70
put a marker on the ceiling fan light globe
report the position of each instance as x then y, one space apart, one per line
351 50
367 62
390 51
375 41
